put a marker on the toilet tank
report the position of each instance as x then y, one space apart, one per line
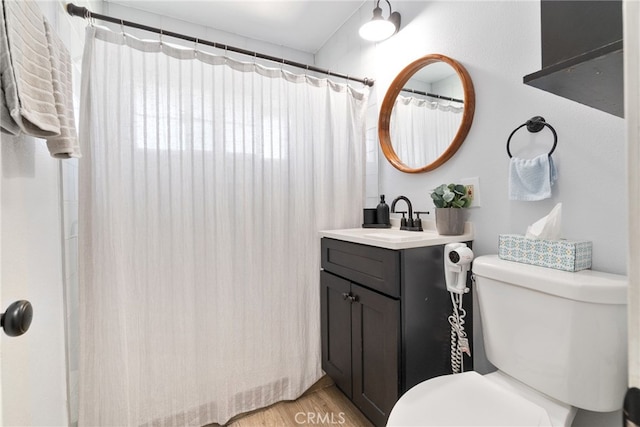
561 333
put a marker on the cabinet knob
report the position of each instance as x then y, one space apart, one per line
348 296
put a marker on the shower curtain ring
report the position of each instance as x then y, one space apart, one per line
195 48
122 28
161 34
88 17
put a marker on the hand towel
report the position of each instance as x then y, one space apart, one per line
27 81
65 145
531 179
7 82
7 124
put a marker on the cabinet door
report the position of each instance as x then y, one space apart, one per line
336 330
376 334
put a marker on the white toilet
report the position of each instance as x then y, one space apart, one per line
558 339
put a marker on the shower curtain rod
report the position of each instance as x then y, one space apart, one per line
74 10
432 95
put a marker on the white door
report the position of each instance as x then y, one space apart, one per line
32 366
632 114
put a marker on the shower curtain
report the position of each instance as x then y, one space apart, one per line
204 184
422 129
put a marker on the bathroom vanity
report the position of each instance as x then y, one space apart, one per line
384 306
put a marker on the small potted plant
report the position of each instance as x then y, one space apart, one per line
450 201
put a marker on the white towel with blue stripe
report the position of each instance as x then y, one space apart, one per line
531 179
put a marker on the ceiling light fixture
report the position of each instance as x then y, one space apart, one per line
378 28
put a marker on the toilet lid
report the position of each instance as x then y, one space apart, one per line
466 399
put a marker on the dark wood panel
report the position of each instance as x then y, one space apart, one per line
426 306
336 330
376 339
573 28
582 53
594 79
376 268
392 343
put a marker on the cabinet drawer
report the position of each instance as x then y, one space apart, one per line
376 268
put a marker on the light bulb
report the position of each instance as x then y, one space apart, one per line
377 30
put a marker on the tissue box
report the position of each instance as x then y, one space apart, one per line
559 254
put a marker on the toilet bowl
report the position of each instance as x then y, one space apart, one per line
558 340
471 399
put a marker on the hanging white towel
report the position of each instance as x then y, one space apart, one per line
7 82
7 124
531 179
65 145
29 98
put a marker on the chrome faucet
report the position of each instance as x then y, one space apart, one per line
408 224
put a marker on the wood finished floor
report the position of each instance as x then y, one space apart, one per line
322 405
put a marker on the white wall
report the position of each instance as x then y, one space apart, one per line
499 43
194 30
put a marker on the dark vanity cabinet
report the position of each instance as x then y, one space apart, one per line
360 340
385 325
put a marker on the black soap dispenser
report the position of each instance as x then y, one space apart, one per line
382 212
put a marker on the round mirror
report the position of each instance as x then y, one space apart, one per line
426 114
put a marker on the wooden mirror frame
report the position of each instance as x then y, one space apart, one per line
389 101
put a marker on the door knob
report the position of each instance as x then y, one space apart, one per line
17 319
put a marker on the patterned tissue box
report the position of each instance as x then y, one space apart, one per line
559 254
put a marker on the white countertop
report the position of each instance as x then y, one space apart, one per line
394 238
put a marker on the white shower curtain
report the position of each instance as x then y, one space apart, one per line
204 184
422 129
